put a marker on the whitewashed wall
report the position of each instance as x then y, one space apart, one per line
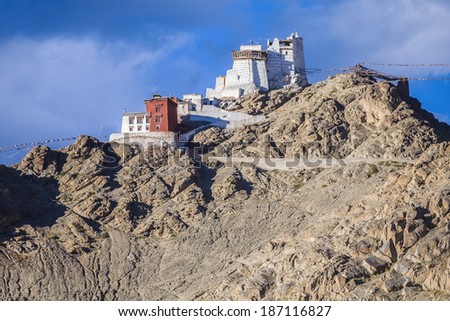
283 62
133 125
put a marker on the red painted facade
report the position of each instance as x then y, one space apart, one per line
163 112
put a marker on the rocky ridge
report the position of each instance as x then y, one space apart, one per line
346 116
99 221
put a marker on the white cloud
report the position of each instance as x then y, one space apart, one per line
402 30
345 32
61 87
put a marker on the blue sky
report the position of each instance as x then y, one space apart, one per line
71 67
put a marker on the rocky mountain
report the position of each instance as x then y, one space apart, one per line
100 221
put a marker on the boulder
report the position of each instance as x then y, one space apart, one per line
375 265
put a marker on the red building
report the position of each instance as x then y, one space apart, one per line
163 111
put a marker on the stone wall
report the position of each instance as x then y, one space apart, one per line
246 76
299 61
260 75
222 118
286 59
196 100
183 108
146 139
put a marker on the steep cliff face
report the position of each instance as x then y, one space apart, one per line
108 221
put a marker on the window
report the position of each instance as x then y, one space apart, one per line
140 120
131 120
158 127
131 128
158 119
147 127
158 109
139 129
147 119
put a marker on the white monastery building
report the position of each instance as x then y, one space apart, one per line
165 120
254 68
